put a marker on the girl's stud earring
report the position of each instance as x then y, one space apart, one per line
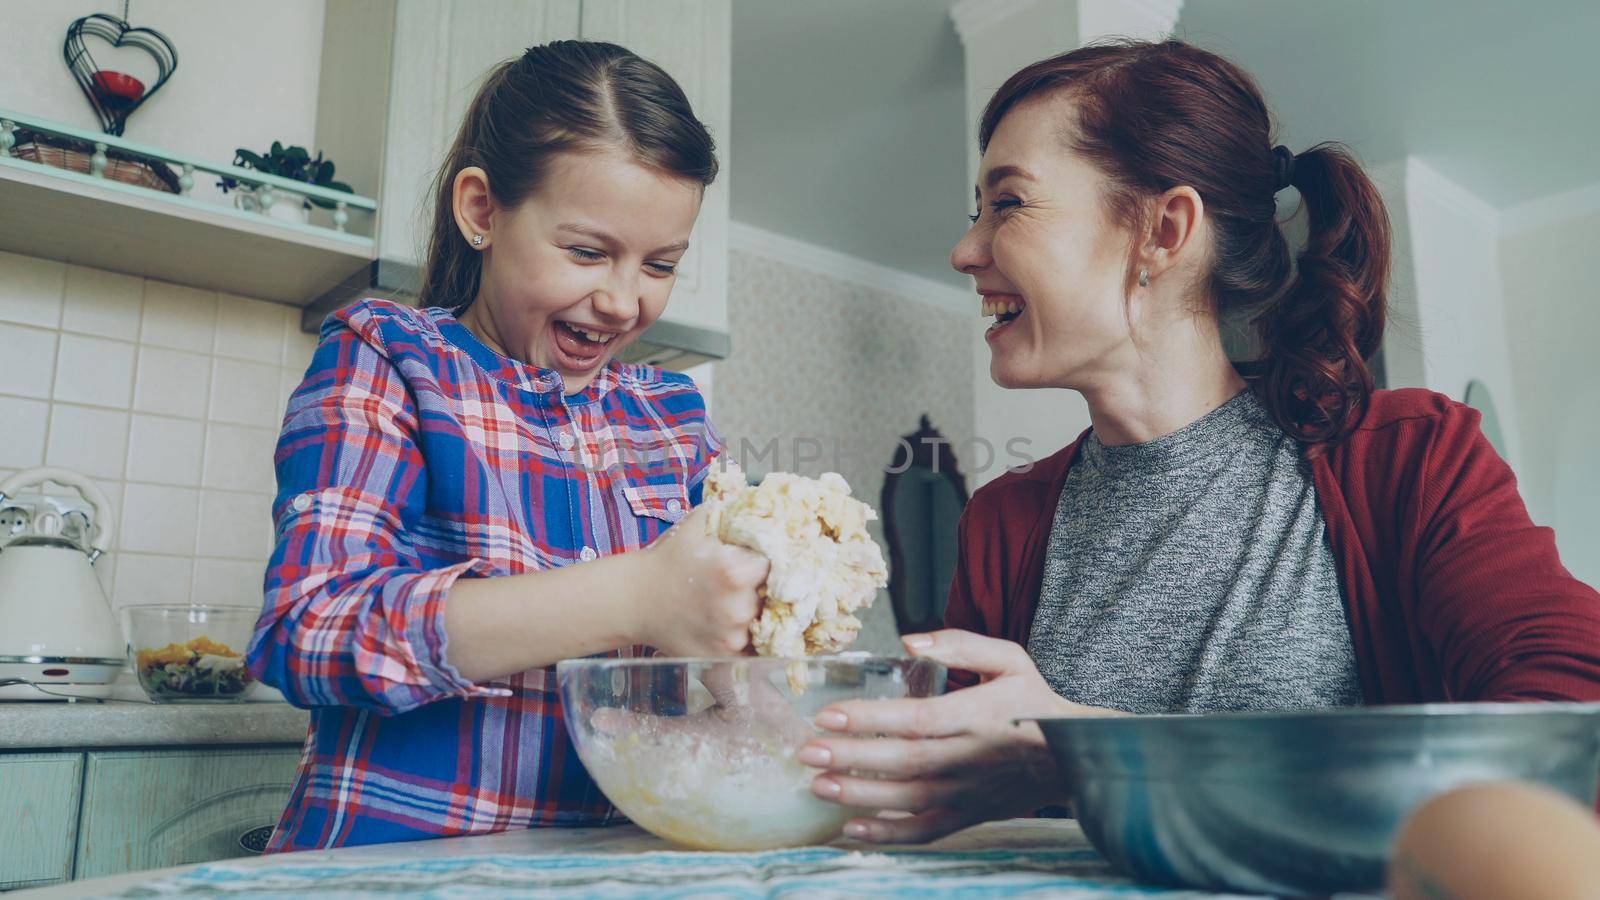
1144 278
477 240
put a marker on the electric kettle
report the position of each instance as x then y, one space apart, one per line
57 629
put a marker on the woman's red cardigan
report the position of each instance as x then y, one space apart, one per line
1451 592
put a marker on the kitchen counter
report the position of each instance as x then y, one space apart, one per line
53 725
1025 856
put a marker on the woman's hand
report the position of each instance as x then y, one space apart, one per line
949 761
696 595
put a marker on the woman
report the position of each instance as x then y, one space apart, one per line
1284 537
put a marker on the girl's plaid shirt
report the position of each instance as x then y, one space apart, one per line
412 455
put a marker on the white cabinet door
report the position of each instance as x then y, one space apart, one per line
442 50
690 39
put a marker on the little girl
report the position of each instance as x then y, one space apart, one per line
459 484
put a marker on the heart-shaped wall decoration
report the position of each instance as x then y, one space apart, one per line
115 95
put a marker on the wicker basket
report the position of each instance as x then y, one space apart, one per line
74 156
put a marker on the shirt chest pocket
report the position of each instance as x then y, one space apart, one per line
656 507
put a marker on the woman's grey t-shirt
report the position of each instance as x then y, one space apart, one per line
1192 574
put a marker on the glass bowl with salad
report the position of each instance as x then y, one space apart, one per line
191 653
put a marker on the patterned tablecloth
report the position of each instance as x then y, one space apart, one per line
1012 859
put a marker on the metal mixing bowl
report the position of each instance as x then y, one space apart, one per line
701 752
1300 802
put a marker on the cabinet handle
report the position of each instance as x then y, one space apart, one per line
255 840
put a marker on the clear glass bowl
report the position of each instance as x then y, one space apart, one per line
701 752
191 653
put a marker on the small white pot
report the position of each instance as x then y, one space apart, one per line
286 206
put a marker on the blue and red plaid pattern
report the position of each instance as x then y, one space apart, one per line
412 455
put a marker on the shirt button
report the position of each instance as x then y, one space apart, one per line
588 554
301 502
566 440
674 506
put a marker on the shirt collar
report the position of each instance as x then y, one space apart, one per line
520 375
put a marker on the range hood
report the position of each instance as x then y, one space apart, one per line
670 345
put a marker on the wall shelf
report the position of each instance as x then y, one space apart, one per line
89 220
57 216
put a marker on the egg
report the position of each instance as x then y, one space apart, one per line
1497 841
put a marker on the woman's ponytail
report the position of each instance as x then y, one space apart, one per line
1318 336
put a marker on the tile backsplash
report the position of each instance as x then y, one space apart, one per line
167 397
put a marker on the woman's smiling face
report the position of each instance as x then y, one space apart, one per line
1043 242
583 266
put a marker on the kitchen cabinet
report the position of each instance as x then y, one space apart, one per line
39 796
441 52
425 77
86 813
98 788
691 40
147 809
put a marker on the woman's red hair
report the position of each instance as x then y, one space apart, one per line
1154 116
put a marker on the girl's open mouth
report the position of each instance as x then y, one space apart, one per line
1006 308
580 348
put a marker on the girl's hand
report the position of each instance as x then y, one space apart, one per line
949 761
697 595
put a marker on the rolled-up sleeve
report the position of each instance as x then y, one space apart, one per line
351 615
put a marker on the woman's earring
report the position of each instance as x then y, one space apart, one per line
477 240
1144 278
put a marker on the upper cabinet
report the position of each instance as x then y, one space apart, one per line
442 51
690 39
427 73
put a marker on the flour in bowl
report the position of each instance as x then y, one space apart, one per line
713 789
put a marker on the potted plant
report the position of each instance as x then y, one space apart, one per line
293 163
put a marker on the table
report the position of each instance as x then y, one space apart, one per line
1035 858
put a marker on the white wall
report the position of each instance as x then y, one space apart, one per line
1449 322
167 397
247 72
1402 339
1553 331
1460 302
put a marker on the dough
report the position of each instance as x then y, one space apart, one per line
825 566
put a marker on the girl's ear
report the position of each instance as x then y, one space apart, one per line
473 206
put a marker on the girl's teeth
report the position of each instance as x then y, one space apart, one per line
594 336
